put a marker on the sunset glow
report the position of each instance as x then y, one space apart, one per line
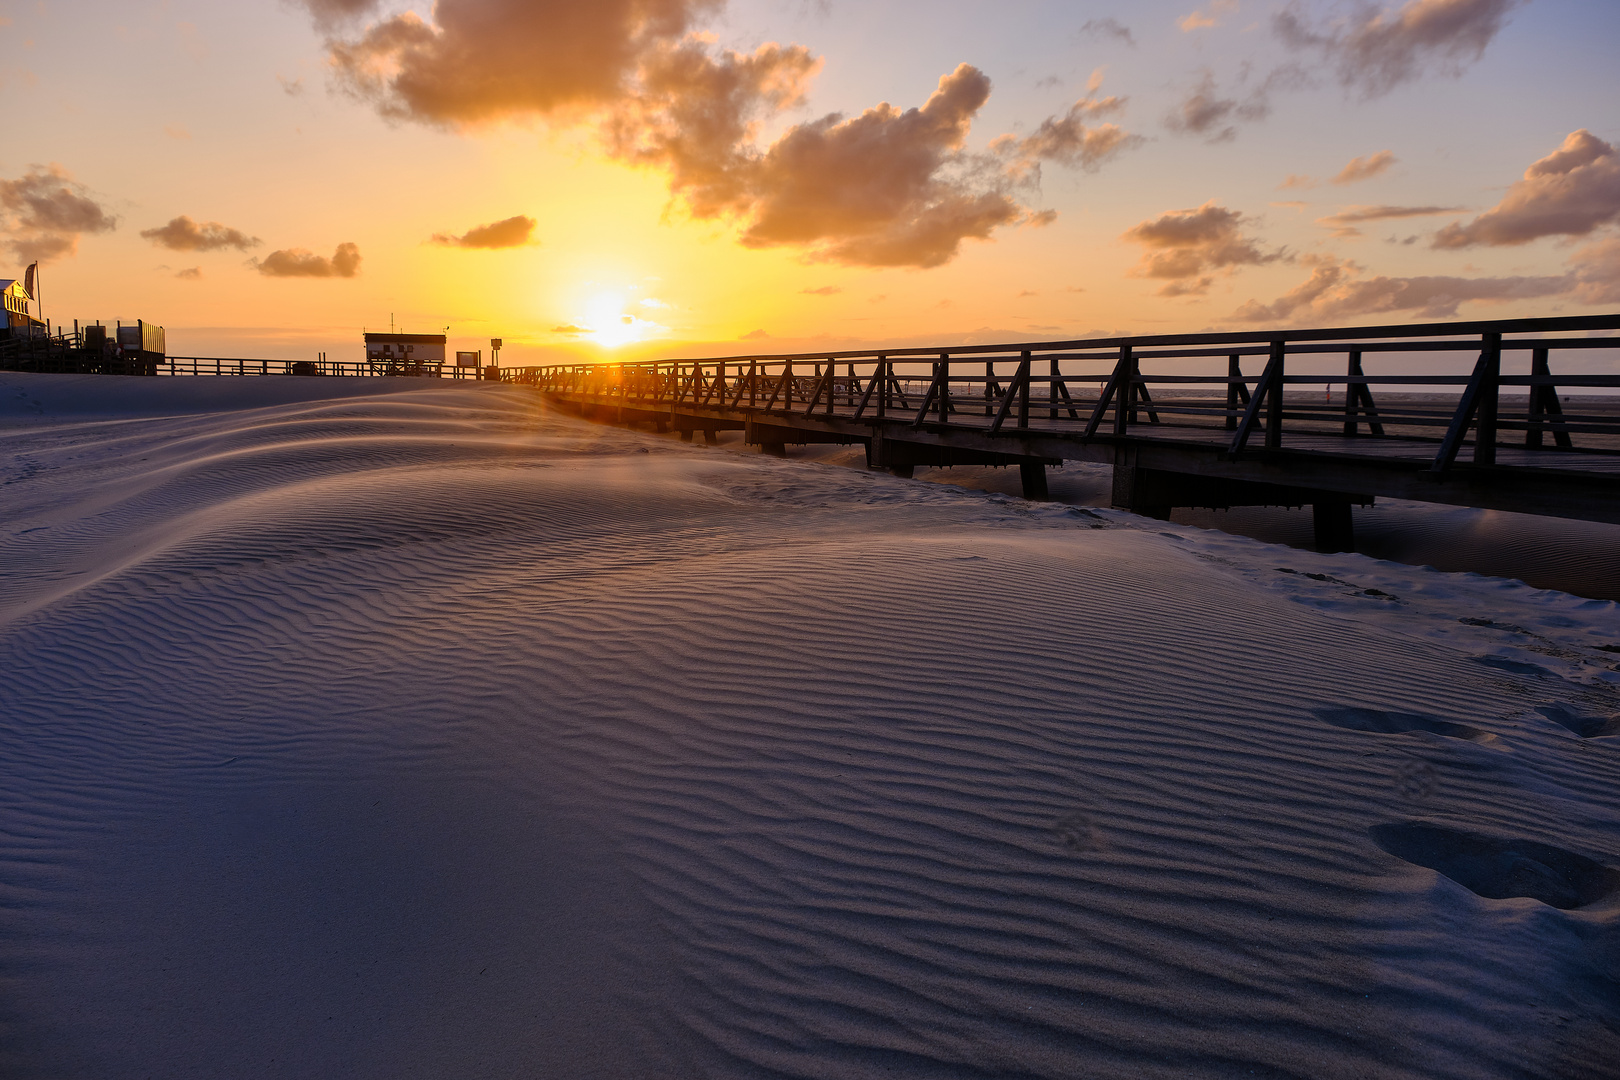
796 176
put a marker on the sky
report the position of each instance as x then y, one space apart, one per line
635 178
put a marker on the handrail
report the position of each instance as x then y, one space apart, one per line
1019 401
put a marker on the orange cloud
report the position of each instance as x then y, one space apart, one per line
1570 192
1345 221
1184 246
1335 292
1210 16
1365 168
297 262
511 232
46 211
183 234
889 187
1068 140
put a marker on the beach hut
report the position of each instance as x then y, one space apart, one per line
406 354
19 323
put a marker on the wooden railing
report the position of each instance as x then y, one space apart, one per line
1434 382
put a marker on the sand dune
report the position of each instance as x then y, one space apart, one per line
428 733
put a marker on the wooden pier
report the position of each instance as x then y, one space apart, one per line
1520 414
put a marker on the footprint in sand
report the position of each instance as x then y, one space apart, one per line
1379 722
1500 868
1515 667
1586 725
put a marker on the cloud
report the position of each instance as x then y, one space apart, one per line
1291 204
330 14
291 87
569 328
887 187
511 232
489 60
46 211
1570 192
1068 140
1334 291
1108 28
1183 246
296 262
1296 180
1206 113
754 335
1345 221
1597 272
183 234
177 132
190 273
823 290
1374 51
1210 16
1364 168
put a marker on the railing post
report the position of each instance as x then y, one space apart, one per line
1234 370
1544 403
1023 390
944 387
1274 403
1489 400
1125 390
882 376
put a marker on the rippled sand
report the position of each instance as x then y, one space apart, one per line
426 733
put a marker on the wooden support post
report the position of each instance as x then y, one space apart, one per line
882 376
1023 390
1357 398
944 387
1019 389
1544 403
1335 528
1236 392
1109 391
1032 474
1274 403
1125 376
1261 398
1489 400
1466 408
871 388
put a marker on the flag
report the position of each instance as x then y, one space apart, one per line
29 279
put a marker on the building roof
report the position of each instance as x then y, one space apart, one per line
405 339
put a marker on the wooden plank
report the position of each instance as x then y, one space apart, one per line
1262 394
871 386
1020 381
1107 395
1466 406
1489 402
1544 402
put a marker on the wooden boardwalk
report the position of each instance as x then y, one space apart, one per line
1513 414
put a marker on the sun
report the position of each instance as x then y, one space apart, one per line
608 324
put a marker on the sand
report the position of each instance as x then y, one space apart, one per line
422 732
